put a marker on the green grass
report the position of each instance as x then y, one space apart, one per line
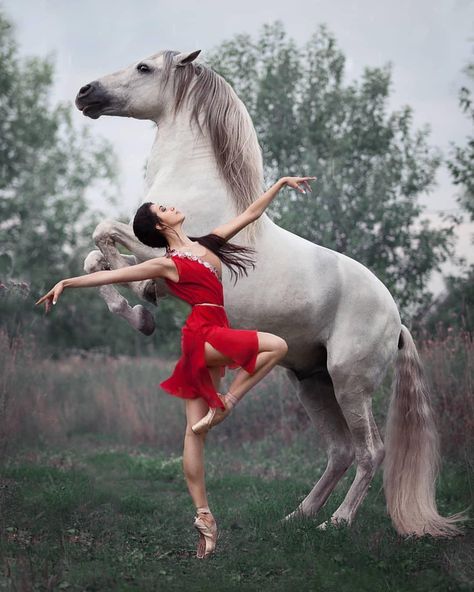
110 518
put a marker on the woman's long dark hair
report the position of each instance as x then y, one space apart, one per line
236 257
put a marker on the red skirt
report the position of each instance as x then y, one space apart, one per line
191 378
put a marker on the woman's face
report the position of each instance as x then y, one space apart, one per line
169 215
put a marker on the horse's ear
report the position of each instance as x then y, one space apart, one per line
182 59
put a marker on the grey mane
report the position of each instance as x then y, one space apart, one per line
226 121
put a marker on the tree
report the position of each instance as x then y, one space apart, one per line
45 169
461 164
371 166
454 309
46 225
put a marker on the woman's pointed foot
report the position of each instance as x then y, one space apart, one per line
213 417
206 526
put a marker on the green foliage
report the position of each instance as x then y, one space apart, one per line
371 166
454 309
46 224
461 164
46 167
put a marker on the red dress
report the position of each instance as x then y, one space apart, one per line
199 282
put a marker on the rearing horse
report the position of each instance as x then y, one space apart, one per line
341 324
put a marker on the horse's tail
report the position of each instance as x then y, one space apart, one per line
412 459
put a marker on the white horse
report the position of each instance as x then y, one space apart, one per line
341 324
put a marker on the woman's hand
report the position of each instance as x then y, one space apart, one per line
296 181
51 296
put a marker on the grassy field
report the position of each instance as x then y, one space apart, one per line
98 516
92 495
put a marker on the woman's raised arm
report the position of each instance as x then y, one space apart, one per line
151 269
256 209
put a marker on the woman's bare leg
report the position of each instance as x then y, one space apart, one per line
193 453
193 465
271 350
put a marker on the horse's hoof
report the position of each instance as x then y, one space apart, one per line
145 319
333 522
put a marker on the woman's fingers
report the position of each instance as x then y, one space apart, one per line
301 189
305 182
296 186
43 298
51 297
301 180
56 292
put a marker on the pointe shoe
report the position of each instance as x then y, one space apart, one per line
206 526
214 416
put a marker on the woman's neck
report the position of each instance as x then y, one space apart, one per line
180 242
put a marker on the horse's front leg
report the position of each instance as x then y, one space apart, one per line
138 316
106 234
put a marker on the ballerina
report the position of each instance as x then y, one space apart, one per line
192 270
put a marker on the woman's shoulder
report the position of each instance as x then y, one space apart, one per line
169 267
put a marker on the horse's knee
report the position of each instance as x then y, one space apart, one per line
103 230
368 460
94 261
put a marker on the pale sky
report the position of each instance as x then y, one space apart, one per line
429 42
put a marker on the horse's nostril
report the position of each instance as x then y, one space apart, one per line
84 89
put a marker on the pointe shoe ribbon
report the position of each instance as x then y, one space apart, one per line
214 416
207 528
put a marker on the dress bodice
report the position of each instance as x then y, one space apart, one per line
198 279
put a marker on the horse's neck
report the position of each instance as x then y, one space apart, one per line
182 171
178 148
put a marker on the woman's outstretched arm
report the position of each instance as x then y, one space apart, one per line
256 209
151 269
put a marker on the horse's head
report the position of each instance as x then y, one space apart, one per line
158 88
140 90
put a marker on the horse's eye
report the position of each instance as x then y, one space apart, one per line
143 68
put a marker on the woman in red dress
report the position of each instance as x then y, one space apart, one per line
192 269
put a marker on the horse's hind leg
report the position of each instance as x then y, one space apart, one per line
316 393
356 405
138 316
